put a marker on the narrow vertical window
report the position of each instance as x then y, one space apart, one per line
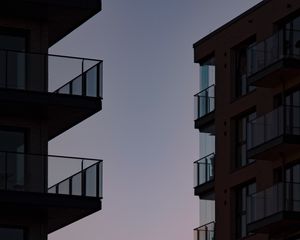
241 209
241 158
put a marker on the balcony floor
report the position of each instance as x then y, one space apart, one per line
60 111
205 190
277 224
272 149
273 75
54 209
205 124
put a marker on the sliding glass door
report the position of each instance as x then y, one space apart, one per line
12 160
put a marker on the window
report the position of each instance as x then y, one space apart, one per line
13 62
12 145
240 68
12 233
241 209
292 185
241 137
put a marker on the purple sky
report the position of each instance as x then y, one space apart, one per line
145 131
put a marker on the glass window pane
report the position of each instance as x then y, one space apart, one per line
15 62
12 234
2 170
16 70
2 69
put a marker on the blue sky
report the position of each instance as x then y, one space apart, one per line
145 131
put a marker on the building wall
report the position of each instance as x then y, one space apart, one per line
257 23
36 126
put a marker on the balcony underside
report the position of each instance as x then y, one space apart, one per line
56 210
271 150
60 111
61 16
278 224
273 75
205 191
206 124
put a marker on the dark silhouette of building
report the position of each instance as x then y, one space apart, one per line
42 96
250 103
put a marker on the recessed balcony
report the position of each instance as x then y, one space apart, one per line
274 59
204 176
274 133
275 210
60 190
205 232
205 110
47 86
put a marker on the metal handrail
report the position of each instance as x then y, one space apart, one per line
50 54
86 84
208 230
95 175
211 86
209 169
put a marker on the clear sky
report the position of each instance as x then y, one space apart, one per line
145 131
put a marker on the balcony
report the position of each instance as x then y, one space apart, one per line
204 176
205 232
274 59
46 86
205 109
60 190
274 133
72 13
276 210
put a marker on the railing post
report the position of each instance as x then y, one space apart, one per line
97 179
206 169
6 68
98 79
82 179
83 78
207 101
83 183
264 126
198 106
70 186
198 173
265 204
5 171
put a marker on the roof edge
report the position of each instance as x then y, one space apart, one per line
231 22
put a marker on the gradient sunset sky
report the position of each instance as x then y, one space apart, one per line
145 131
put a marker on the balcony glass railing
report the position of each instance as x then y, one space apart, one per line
284 120
280 197
284 43
205 232
50 174
204 170
50 73
204 102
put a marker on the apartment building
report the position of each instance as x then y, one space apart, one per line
42 96
248 115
